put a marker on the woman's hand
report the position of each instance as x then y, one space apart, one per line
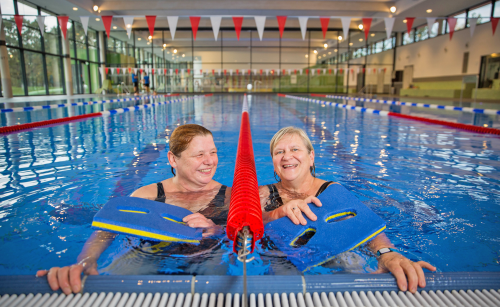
294 209
408 274
69 278
198 220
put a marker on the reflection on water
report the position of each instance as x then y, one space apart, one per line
436 187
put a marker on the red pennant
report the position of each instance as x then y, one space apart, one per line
281 24
261 72
330 71
213 72
189 71
367 22
63 23
307 71
107 70
195 22
352 71
319 71
19 23
272 72
324 25
409 24
295 71
374 70
118 70
494 23
141 70
452 22
151 24
284 72
225 72
176 71
165 71
129 70
385 69
153 71
201 71
106 20
237 71
341 71
238 21
364 70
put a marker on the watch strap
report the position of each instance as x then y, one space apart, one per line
385 250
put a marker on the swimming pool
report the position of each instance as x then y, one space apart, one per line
436 187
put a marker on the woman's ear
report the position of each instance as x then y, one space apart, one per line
172 159
311 157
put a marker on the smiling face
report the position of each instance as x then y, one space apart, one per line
291 159
196 164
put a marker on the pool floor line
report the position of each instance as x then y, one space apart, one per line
478 129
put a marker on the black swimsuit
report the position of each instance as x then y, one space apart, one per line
274 200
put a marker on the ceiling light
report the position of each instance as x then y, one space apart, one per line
315 51
360 39
405 21
429 11
150 37
306 55
114 27
329 53
75 9
325 45
360 26
335 50
183 55
95 8
350 44
164 45
393 9
97 19
129 26
339 38
319 57
175 50
139 39
148 43
372 35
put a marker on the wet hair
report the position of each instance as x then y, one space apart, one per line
182 137
297 131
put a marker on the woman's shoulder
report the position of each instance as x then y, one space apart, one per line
323 184
149 191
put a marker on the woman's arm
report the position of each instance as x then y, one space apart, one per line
408 274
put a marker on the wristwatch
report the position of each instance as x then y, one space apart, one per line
385 250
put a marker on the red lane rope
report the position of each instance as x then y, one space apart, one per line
449 124
244 209
46 122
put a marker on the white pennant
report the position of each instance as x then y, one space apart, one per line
430 23
135 71
303 26
231 72
312 72
183 70
129 20
260 21
85 23
267 72
324 71
41 24
300 71
242 72
101 70
124 70
389 24
216 25
219 71
172 24
346 22
472 25
171 71
112 69
335 71
289 71
255 71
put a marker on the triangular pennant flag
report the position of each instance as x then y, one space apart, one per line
324 71
430 24
452 22
389 24
218 71
107 70
151 24
63 23
324 25
260 22
494 23
106 20
135 71
237 25
367 22
171 71
118 70
303 26
129 21
215 25
409 24
101 70
472 25
195 22
19 23
176 71
249 72
172 25
165 71
141 70
231 72
281 24
301 71
289 71
267 72
346 23
41 24
112 70
125 71
85 23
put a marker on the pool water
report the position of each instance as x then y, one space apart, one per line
436 187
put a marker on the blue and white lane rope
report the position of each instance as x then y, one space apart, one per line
145 106
340 105
420 105
71 104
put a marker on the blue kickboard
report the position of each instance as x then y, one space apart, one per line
330 237
146 219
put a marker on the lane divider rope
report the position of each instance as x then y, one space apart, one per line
386 113
21 127
413 104
82 103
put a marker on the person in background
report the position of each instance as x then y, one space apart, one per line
154 91
193 155
135 81
145 82
293 159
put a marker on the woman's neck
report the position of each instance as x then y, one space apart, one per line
188 186
301 186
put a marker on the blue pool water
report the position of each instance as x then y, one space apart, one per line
436 187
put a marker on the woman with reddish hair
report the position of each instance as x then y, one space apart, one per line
193 159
